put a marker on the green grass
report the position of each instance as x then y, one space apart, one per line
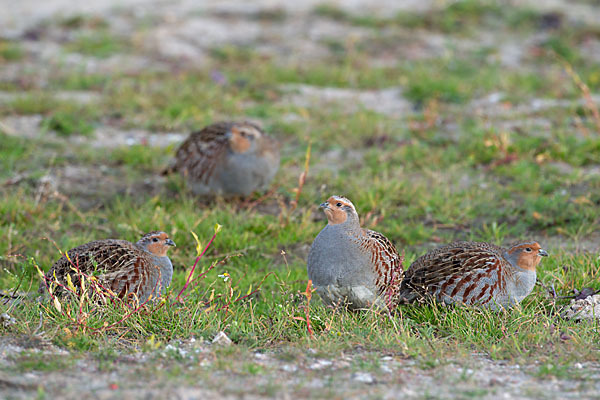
444 170
79 21
99 44
457 17
466 16
34 103
69 122
36 361
61 116
10 51
79 80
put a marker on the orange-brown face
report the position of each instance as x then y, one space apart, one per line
158 244
337 208
528 255
242 137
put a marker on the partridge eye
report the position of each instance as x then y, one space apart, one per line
339 204
155 239
528 249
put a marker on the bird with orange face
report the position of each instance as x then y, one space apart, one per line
227 159
474 273
142 269
352 266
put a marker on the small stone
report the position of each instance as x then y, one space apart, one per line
363 377
222 339
494 382
320 364
385 368
205 363
260 356
583 309
289 368
7 320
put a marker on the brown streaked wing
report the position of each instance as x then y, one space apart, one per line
450 262
128 280
386 259
104 256
199 154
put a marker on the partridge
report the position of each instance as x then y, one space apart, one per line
123 267
227 159
350 265
474 273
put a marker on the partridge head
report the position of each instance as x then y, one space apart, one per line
526 256
156 243
340 210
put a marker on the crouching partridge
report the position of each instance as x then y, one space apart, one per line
227 159
474 273
352 266
123 267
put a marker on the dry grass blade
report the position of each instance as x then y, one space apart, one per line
302 178
590 104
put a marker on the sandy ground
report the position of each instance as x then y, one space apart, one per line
185 370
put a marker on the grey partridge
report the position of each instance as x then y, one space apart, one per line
350 265
227 159
143 268
474 273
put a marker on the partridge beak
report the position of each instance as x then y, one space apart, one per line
169 242
324 205
543 253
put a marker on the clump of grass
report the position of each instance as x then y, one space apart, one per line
80 81
466 16
83 21
64 117
10 51
453 81
457 17
39 361
560 46
98 44
69 122
12 149
34 103
140 156
331 11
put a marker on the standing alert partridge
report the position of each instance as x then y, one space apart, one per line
350 265
125 268
227 159
474 273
